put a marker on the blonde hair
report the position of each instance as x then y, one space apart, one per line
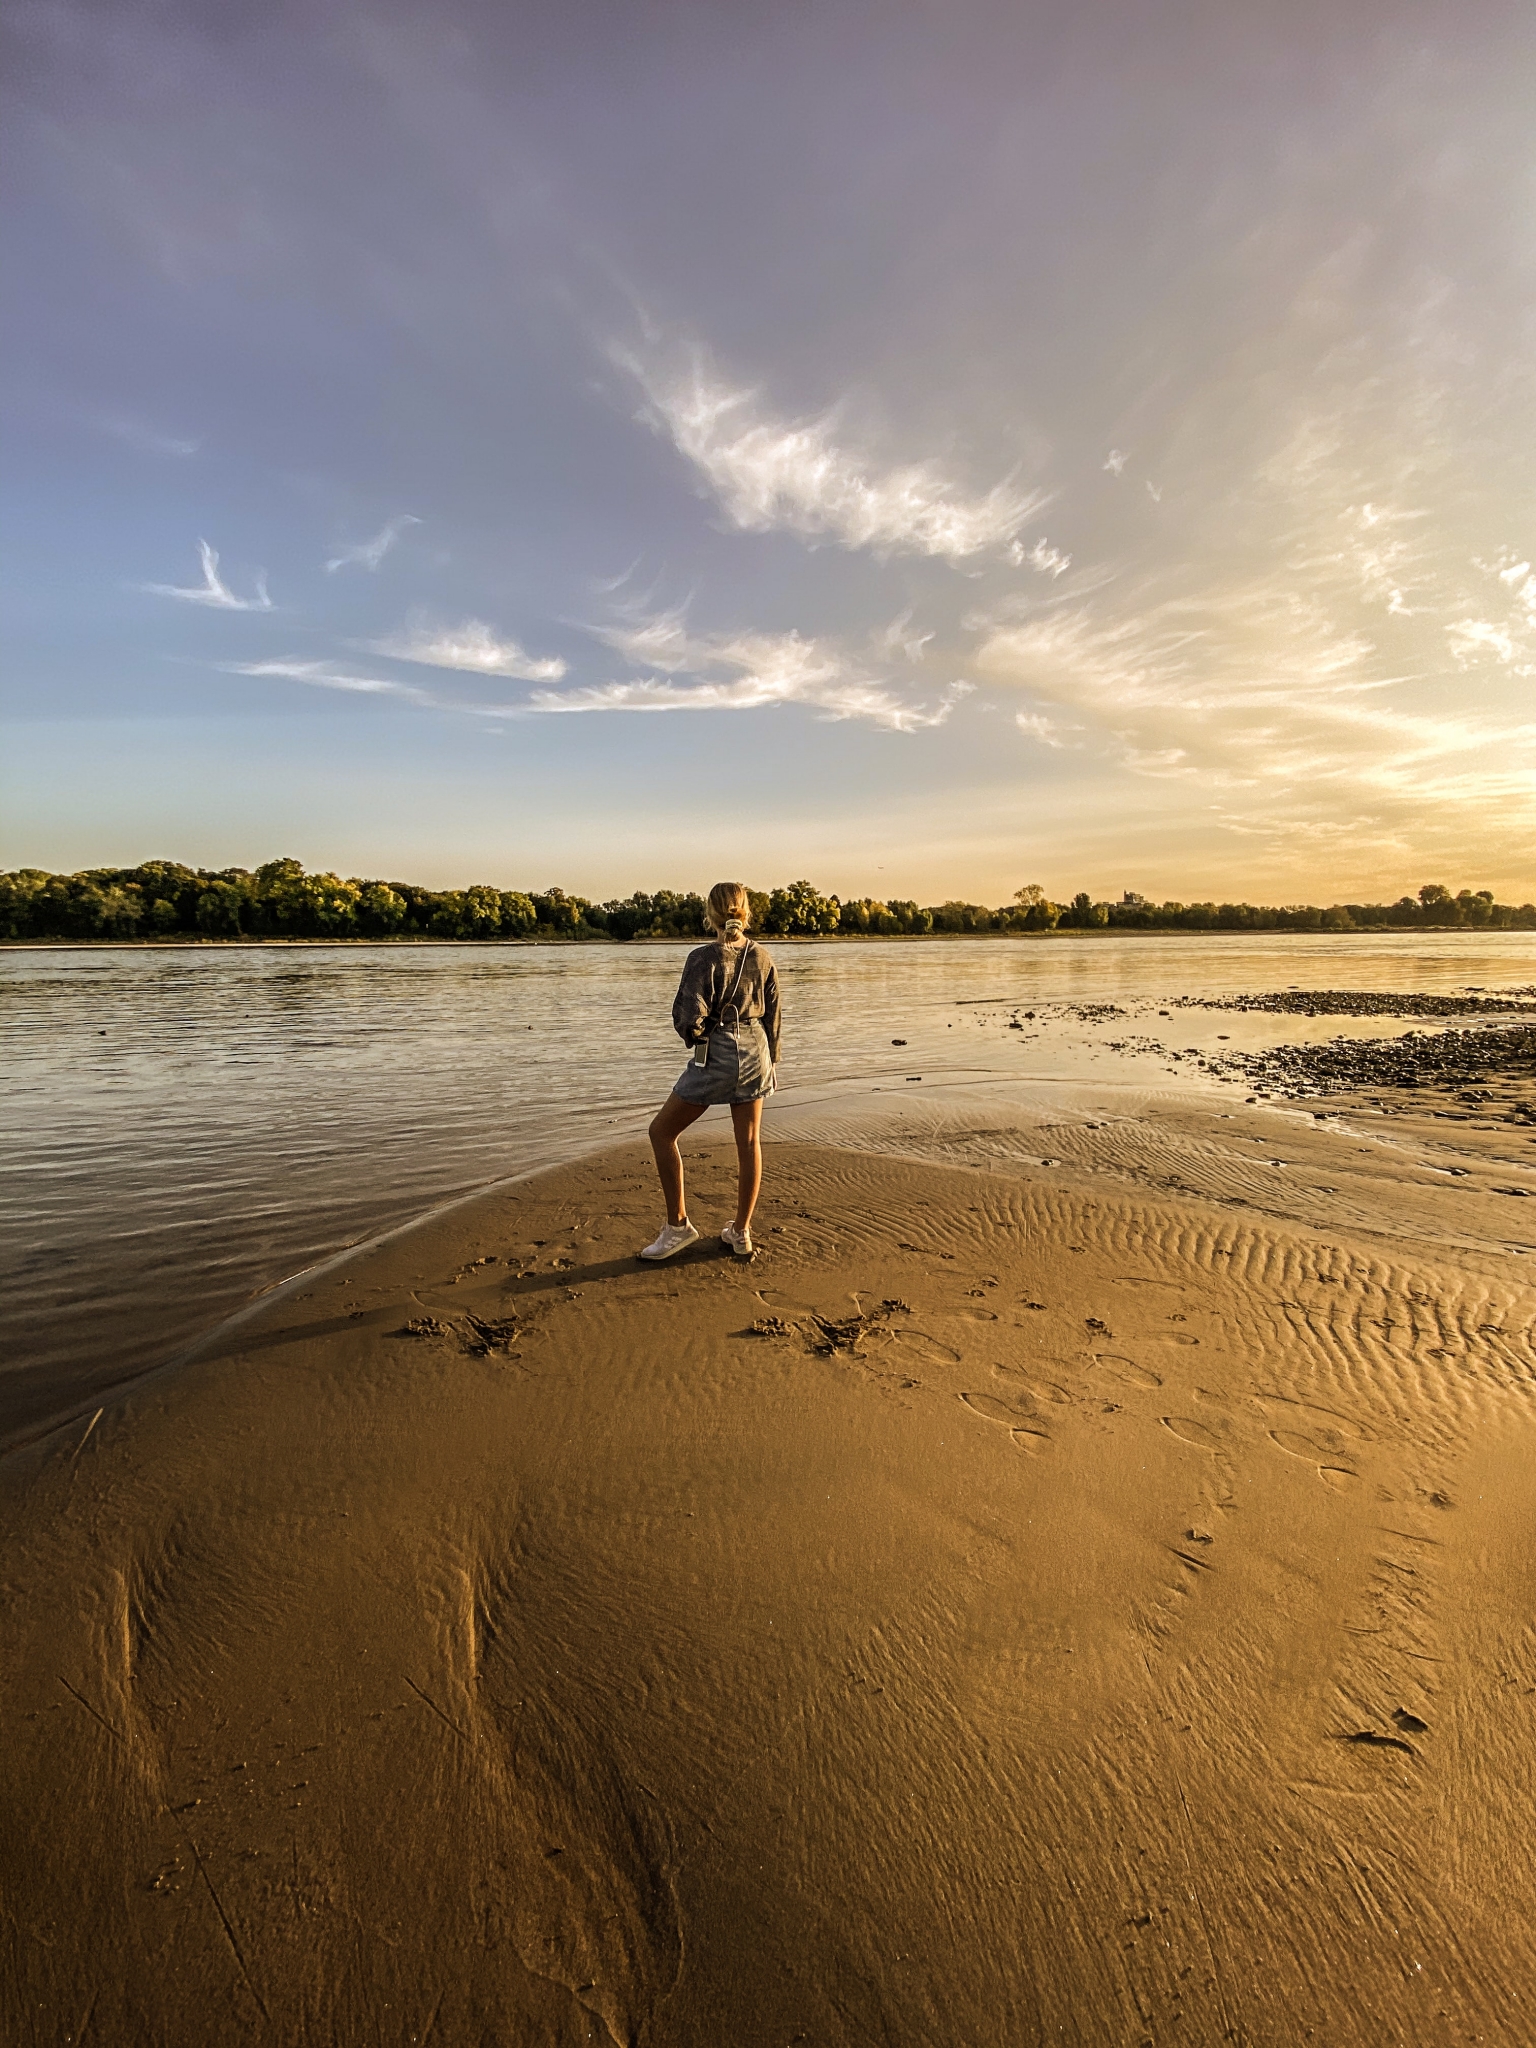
729 904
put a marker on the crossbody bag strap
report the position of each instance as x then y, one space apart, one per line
716 1019
741 968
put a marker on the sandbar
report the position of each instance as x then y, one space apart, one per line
1012 1609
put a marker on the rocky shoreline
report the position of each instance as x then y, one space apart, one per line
1488 1072
1347 1002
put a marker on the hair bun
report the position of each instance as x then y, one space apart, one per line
729 912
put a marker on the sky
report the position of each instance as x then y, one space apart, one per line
925 448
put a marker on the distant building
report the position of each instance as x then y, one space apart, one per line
1132 901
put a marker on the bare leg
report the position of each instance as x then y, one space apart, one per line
673 1117
747 1117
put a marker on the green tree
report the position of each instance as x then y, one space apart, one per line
1474 907
558 913
630 917
450 918
868 914
1084 913
18 899
1036 913
306 906
910 916
160 898
273 875
956 916
800 911
482 912
1438 904
380 909
218 910
518 916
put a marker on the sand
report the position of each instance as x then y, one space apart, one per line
1014 1609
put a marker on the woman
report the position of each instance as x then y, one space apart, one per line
727 1009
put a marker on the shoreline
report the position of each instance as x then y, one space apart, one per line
1094 934
1444 1187
1010 1594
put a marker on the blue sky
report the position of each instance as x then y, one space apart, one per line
925 448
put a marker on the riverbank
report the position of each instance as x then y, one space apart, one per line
186 1127
1011 1608
1094 934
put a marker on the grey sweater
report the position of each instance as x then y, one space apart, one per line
710 975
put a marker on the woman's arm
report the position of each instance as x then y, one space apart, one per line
772 1020
694 999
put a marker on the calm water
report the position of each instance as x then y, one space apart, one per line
184 1127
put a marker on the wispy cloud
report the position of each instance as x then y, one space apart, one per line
793 476
1049 561
473 647
1259 694
900 638
1278 652
213 590
1039 727
1470 638
1510 638
658 639
746 672
680 670
368 554
146 439
321 675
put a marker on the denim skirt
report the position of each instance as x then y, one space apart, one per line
738 1068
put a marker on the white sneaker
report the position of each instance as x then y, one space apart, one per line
672 1239
740 1241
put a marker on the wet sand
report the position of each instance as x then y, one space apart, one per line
1022 1606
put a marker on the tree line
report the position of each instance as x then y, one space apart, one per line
163 900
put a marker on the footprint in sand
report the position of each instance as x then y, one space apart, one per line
993 1409
1188 1431
1331 1445
1127 1372
1176 1337
928 1347
1338 1478
1040 1390
1024 1433
1298 1445
1328 1424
